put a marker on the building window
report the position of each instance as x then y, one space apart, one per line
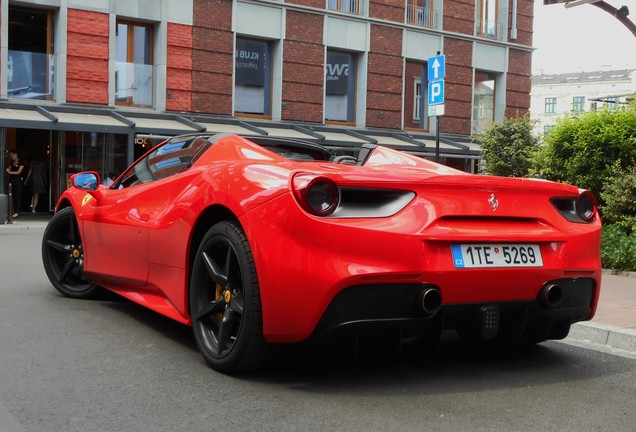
30 63
349 6
417 98
253 77
420 13
578 104
550 105
415 114
487 25
340 77
483 101
611 103
134 70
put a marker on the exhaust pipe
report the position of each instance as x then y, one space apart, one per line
429 301
550 296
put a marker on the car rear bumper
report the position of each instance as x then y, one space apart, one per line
366 309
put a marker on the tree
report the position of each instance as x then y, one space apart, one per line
508 148
582 148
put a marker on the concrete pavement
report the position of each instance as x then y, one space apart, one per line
613 326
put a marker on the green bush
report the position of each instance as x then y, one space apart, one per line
618 249
582 148
508 148
618 197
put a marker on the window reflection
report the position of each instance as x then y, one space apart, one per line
134 66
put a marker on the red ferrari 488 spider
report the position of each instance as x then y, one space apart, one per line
260 242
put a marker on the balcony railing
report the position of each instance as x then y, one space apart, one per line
349 6
489 29
134 84
30 75
420 16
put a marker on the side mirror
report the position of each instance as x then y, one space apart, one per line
88 181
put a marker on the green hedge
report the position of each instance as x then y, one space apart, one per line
618 249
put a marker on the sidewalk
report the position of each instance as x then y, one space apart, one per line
614 324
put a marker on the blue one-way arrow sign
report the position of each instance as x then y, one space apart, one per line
436 68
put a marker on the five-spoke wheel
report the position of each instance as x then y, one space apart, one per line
225 301
63 256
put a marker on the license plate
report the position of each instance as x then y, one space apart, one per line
496 255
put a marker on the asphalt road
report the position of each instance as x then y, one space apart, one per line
109 365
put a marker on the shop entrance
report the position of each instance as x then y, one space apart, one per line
34 150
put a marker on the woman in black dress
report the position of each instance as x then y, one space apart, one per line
15 171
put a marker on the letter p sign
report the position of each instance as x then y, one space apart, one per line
436 92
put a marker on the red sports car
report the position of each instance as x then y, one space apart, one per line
261 242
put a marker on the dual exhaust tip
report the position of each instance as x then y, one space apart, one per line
429 300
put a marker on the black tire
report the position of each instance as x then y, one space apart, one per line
63 256
225 303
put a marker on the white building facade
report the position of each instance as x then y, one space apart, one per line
554 95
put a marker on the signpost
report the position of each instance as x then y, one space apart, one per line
436 108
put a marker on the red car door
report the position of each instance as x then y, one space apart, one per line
116 231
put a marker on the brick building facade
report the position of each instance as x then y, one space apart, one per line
115 74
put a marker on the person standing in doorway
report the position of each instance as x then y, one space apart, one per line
14 171
37 179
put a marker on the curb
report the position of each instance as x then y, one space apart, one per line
603 334
23 226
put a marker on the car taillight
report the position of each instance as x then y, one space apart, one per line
318 195
586 206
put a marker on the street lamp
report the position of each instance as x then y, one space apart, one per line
579 3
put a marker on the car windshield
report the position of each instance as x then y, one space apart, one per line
168 159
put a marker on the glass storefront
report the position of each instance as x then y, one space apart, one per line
64 153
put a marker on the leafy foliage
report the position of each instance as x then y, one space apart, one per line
618 195
581 149
618 249
508 148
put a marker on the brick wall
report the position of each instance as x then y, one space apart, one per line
459 16
312 3
518 84
391 10
384 92
179 69
303 68
212 57
458 86
525 12
87 57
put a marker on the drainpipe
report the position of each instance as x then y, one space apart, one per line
513 27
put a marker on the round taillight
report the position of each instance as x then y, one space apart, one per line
319 196
586 206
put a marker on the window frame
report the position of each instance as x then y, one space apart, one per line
578 104
268 78
48 52
550 105
484 13
351 83
130 59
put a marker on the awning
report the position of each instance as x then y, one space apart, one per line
140 122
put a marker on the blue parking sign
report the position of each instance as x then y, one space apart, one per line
436 92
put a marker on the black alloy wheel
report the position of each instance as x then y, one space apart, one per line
225 304
63 256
